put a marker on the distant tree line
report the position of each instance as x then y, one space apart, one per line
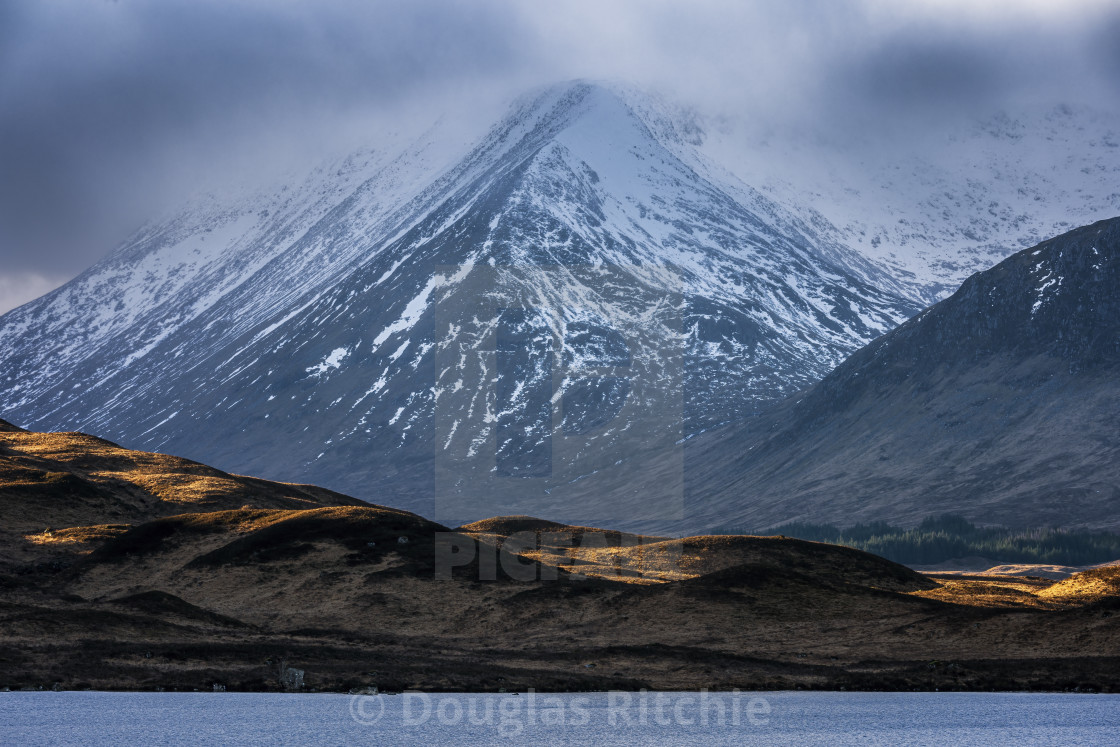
942 538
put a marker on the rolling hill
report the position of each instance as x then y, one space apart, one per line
279 593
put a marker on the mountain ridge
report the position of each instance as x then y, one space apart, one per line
322 323
996 404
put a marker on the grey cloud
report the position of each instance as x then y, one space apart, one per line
923 70
1106 51
99 101
919 72
107 109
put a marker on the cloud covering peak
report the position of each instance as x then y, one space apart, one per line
110 110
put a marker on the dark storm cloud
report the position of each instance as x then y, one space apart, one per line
1106 48
98 100
109 109
940 69
925 72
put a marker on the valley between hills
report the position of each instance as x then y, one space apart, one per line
129 570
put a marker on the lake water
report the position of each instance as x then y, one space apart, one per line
603 719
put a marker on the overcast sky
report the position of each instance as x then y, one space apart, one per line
111 110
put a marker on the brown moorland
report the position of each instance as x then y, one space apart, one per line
127 570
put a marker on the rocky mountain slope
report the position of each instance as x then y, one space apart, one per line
999 404
309 333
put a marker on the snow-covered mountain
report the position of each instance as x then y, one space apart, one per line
536 320
942 203
393 312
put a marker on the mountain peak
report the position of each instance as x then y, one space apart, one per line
308 317
600 109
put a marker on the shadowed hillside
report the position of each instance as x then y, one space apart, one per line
999 404
157 573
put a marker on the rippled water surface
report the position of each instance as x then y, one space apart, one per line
601 719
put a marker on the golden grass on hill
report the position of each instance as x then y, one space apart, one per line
1098 582
645 563
989 591
507 525
168 478
1025 592
587 551
78 535
640 559
73 479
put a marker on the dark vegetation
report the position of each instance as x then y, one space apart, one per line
943 538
